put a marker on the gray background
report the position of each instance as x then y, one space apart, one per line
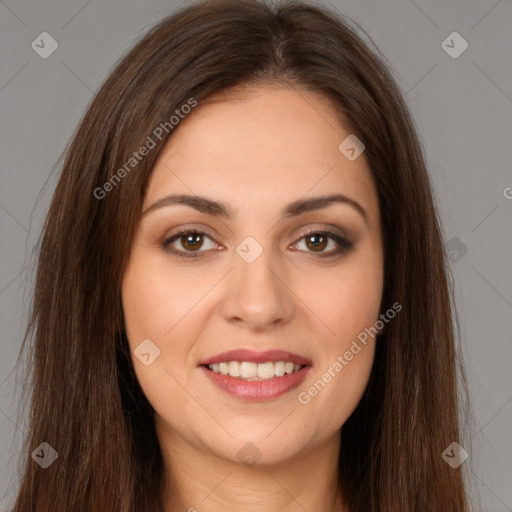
462 107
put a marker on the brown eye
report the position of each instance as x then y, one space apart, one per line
190 243
316 242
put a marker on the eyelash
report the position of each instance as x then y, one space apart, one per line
344 244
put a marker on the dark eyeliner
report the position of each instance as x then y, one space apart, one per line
182 254
342 242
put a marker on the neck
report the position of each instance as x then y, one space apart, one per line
197 480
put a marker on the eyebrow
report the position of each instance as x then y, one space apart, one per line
220 209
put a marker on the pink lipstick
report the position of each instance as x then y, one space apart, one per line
256 376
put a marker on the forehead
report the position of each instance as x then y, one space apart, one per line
261 144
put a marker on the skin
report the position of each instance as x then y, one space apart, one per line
256 149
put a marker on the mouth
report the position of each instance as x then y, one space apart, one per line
257 376
249 371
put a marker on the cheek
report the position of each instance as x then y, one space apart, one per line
156 297
162 303
346 301
149 315
155 308
346 357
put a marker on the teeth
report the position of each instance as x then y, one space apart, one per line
255 371
234 369
248 370
266 370
279 368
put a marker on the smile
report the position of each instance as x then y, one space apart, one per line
250 371
257 388
252 375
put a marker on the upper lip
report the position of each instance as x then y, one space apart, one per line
257 357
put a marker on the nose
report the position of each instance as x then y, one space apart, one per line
258 293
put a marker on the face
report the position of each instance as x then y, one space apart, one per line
260 268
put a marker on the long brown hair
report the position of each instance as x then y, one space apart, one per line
86 402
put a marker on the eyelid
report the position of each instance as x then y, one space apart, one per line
338 235
325 228
181 232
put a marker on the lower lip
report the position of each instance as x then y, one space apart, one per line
257 390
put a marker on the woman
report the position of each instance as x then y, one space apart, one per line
242 300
